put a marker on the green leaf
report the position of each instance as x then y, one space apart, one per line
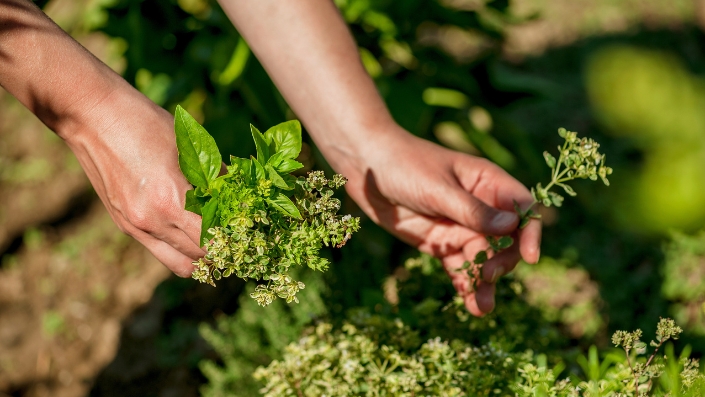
481 257
261 143
492 241
217 184
199 158
201 192
505 242
283 165
290 181
568 189
193 202
289 165
286 138
550 160
210 219
524 221
284 205
275 159
260 173
527 217
466 265
239 164
275 178
556 199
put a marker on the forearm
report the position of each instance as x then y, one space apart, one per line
49 72
308 51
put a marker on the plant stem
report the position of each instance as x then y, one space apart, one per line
636 379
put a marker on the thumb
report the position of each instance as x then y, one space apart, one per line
462 207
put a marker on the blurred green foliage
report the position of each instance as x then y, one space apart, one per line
652 98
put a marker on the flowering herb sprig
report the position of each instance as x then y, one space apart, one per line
631 342
258 219
578 158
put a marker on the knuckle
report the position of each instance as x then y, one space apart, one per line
140 218
148 217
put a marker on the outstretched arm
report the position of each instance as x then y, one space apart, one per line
124 142
442 201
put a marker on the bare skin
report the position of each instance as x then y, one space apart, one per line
441 201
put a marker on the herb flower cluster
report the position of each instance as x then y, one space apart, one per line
250 226
380 357
578 158
261 243
376 356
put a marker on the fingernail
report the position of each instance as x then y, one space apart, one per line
496 274
503 220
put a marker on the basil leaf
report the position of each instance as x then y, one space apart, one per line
261 143
275 159
290 181
286 138
210 219
260 173
193 202
480 258
199 158
238 163
275 178
282 204
289 165
201 192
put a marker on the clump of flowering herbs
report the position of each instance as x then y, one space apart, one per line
578 158
258 219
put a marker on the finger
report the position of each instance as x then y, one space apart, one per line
481 301
466 209
460 279
491 184
179 240
174 260
190 224
500 264
184 243
530 241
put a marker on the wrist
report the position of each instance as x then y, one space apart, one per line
353 147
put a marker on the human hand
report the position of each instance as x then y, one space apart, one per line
133 165
445 203
124 142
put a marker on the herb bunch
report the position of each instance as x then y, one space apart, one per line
375 356
578 158
251 227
